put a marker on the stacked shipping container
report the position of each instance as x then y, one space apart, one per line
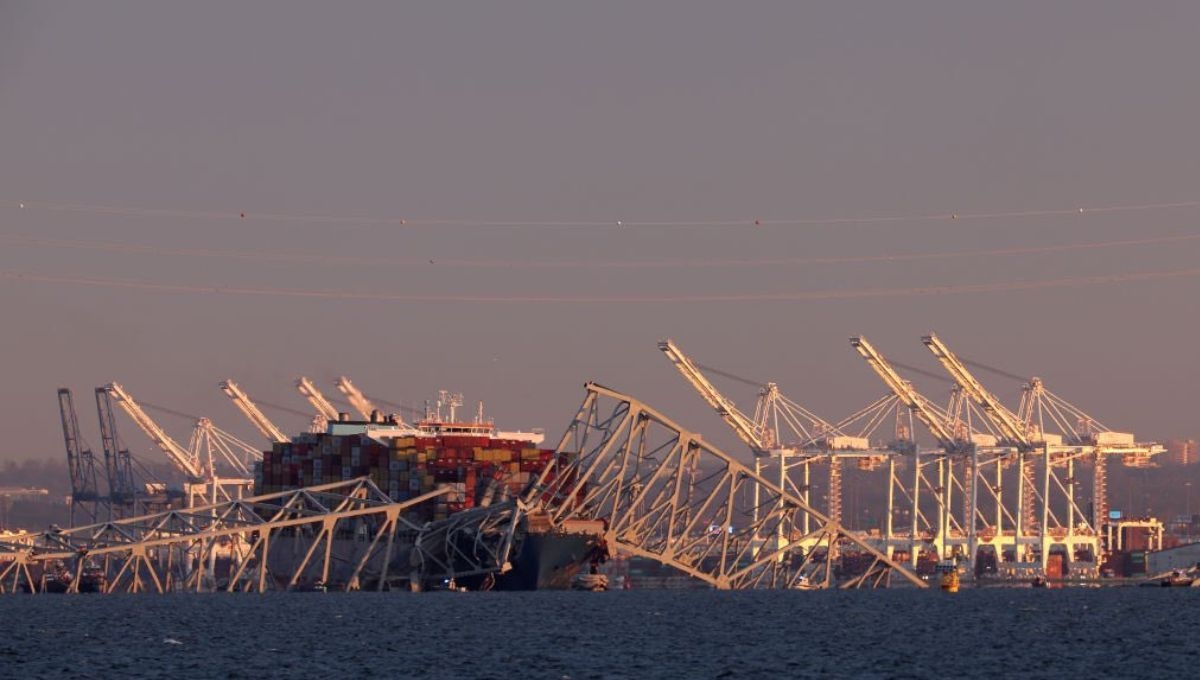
478 470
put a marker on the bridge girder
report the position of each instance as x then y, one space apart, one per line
665 494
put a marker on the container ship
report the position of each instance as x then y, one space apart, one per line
480 470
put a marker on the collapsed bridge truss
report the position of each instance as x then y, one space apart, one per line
665 494
338 535
659 492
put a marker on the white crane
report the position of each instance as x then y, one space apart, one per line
954 442
1040 501
812 437
325 412
357 399
930 414
187 462
208 446
1010 427
252 412
750 432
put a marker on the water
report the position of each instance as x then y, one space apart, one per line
1114 632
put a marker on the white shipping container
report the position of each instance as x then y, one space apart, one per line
1047 438
981 439
1115 438
848 443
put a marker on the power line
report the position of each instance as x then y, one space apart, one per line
785 296
360 262
618 222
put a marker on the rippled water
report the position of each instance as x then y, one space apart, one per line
1116 632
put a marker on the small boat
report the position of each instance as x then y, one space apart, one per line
56 580
803 583
595 583
1177 579
92 580
1038 582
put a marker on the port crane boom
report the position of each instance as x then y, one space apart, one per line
357 399
925 410
118 464
743 426
81 464
319 402
252 412
1007 423
185 461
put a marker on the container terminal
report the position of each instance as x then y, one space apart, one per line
1005 497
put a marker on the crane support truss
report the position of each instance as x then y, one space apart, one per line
783 432
81 463
665 494
1017 491
118 464
344 535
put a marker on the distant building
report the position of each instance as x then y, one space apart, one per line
1181 452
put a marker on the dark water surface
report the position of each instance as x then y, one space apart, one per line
1068 634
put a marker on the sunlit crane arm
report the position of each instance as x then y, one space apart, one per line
184 461
318 400
742 425
252 412
356 398
1006 422
907 395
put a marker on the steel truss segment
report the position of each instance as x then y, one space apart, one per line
172 549
666 494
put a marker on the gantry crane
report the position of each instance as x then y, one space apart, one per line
252 413
746 429
1037 522
198 462
953 443
123 492
186 462
1040 409
325 412
357 399
813 438
1012 431
81 464
925 411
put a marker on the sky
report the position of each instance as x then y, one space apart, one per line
508 200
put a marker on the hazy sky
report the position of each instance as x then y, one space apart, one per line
513 137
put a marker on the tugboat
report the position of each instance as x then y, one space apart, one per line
949 576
